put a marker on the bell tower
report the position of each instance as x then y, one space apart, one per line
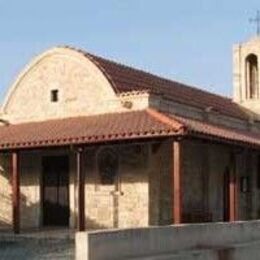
246 71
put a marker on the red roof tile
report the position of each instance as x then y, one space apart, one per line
113 127
124 78
92 129
208 130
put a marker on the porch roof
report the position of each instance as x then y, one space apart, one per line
211 131
114 127
89 129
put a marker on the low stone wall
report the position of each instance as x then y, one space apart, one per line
229 241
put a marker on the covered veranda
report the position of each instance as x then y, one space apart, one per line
141 126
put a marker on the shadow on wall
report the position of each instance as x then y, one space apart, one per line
29 220
92 224
133 170
29 212
5 211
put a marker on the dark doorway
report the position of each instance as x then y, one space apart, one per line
226 195
55 191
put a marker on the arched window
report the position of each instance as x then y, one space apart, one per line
252 76
107 166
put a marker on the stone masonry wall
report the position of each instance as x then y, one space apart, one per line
5 192
142 193
218 162
30 181
204 166
125 203
193 179
83 90
247 166
30 169
160 180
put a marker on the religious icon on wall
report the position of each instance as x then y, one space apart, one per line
244 184
107 165
135 156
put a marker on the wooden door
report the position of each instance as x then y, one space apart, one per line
55 191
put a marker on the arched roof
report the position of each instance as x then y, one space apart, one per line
123 78
71 53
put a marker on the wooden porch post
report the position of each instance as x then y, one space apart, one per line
177 177
15 191
233 190
81 190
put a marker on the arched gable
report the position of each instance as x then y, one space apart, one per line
80 85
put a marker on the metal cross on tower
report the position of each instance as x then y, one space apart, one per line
256 20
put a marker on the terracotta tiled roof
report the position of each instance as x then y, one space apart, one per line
125 79
114 127
221 133
92 129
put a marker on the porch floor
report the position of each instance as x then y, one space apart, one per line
46 243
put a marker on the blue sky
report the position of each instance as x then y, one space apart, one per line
188 41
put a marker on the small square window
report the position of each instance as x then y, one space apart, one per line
54 95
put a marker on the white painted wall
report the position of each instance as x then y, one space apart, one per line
229 241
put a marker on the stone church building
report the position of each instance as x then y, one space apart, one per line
87 143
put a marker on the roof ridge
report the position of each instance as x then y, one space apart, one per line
126 78
92 58
148 73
